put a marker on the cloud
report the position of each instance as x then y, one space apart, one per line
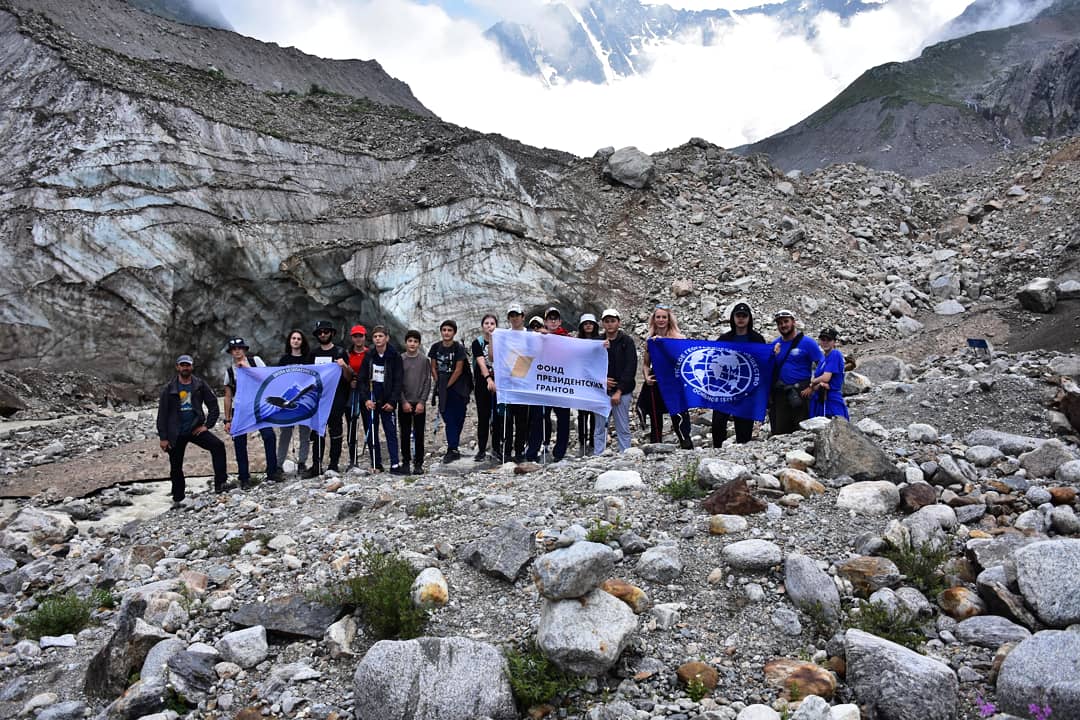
756 78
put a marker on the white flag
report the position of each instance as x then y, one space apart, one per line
554 370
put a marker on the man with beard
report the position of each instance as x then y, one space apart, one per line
796 358
187 409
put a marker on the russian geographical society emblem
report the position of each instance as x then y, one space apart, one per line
719 374
288 396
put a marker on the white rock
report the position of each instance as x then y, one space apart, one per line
613 480
872 497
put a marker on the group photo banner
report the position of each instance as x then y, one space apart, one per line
730 377
537 369
284 396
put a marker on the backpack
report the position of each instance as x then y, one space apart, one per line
232 375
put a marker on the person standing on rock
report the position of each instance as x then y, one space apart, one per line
588 329
355 409
296 353
540 416
238 349
187 410
415 389
516 416
824 393
796 357
324 353
662 323
488 419
621 379
453 385
380 382
741 323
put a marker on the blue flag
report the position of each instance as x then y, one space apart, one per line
732 377
284 396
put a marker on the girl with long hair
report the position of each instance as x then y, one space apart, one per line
662 323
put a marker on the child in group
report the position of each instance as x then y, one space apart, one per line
488 421
453 385
237 348
380 382
415 388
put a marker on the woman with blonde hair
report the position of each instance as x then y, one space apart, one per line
662 323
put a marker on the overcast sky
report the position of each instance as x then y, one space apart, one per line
753 81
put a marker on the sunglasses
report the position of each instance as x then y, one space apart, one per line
324 332
662 307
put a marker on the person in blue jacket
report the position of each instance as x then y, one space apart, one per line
824 394
796 357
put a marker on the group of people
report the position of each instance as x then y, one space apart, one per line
390 392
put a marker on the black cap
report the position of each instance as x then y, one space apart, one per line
236 342
741 308
323 325
828 333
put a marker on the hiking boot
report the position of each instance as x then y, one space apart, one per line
418 468
245 483
480 456
399 470
450 456
686 444
311 472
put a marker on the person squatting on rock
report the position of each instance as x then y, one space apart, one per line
824 392
238 349
380 382
181 419
588 329
741 322
488 412
651 407
540 416
354 412
453 385
296 353
621 379
415 389
323 353
515 416
796 358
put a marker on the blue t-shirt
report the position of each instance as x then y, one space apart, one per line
796 368
187 412
834 405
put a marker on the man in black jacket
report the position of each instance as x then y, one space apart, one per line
181 420
380 382
621 379
742 329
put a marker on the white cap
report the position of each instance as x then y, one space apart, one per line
535 319
515 308
587 317
610 312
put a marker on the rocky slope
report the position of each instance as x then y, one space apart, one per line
959 102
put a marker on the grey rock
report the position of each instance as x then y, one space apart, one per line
503 553
758 712
992 552
812 707
1066 365
989 631
153 667
872 497
713 472
906 326
1039 295
752 555
108 672
1043 669
1065 521
921 432
630 167
944 287
14 689
786 621
983 455
289 615
1048 577
448 678
949 307
1043 462
841 449
585 636
666 615
1068 473
914 602
67 710
141 699
573 571
810 588
1008 443
31 530
969 513
632 543
660 564
191 675
1069 290
917 686
246 647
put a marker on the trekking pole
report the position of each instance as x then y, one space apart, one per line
354 415
506 431
374 438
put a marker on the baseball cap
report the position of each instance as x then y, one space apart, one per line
358 330
515 309
610 312
783 314
741 308
828 333
552 311
236 342
536 319
184 360
587 317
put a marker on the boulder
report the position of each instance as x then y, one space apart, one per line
869 573
916 496
572 571
615 480
1039 295
884 368
713 472
1048 574
1008 443
108 672
429 589
632 595
288 614
631 167
727 524
698 671
797 481
1045 460
895 683
585 636
33 531
877 497
1044 669
961 602
989 631
660 564
733 498
811 588
796 679
450 678
503 553
191 675
841 449
247 648
752 555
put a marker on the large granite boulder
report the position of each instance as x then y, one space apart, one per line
1048 574
1043 669
450 678
585 636
630 167
841 449
895 683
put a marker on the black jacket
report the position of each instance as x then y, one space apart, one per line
752 336
622 363
168 415
392 376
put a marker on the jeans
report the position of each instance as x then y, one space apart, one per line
207 441
240 448
408 423
285 441
454 417
620 414
540 431
385 418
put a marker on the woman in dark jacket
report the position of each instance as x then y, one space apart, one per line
741 322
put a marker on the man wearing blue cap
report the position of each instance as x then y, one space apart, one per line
187 409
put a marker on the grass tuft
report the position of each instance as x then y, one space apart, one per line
921 565
684 484
383 596
56 615
535 679
900 627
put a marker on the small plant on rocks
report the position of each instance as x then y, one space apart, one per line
900 627
56 615
533 678
383 596
684 484
696 689
921 564
602 532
